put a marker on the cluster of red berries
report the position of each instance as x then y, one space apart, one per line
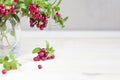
43 55
5 12
38 19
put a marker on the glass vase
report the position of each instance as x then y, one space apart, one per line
9 36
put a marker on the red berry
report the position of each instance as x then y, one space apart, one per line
4 71
39 66
46 54
43 58
35 58
38 57
43 49
6 12
12 7
2 6
52 57
16 1
41 53
58 14
49 57
38 6
3 10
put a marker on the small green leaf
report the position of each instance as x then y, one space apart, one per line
59 2
36 50
14 65
23 6
57 8
53 12
53 51
6 65
65 19
47 45
6 58
1 61
62 24
54 2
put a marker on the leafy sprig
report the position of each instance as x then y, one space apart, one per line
9 62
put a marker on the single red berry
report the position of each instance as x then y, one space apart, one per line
43 58
41 53
41 27
2 6
37 5
3 10
12 6
52 57
58 14
46 54
4 71
6 12
43 49
39 66
35 58
49 57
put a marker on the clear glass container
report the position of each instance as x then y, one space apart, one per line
9 36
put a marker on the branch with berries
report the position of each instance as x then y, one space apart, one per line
9 63
39 11
43 54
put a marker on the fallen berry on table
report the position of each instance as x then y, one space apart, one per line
4 71
39 66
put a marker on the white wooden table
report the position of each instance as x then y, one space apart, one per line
79 56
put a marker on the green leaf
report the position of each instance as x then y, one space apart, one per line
14 65
62 24
65 19
6 65
47 45
53 51
59 2
36 50
53 13
57 8
6 58
1 61
54 2
23 6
